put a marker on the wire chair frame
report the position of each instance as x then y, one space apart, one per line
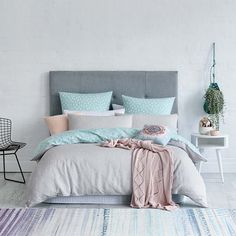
9 147
5 132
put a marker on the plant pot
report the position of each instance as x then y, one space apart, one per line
214 96
205 130
214 132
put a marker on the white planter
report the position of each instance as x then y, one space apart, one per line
215 132
205 130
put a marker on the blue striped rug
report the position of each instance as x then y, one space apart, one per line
109 222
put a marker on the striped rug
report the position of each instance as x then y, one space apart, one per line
109 222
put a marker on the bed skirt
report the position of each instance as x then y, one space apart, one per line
101 199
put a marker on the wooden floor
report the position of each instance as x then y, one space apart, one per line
219 195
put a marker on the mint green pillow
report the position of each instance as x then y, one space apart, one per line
85 101
157 106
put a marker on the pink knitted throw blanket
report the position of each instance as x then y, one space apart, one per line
152 173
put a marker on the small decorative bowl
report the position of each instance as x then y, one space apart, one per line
214 132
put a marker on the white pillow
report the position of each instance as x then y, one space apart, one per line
96 122
139 121
117 106
119 111
91 113
96 113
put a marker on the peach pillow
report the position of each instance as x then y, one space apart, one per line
57 124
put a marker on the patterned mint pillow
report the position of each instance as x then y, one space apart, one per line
158 133
157 106
85 101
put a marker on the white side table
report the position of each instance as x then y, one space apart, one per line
211 142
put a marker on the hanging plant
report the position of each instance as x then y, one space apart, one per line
214 105
214 98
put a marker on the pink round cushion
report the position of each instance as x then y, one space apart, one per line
158 133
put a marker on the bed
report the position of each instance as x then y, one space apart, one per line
143 84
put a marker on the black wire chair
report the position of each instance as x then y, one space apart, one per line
9 147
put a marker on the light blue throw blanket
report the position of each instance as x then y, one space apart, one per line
101 135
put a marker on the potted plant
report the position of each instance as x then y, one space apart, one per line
214 98
205 126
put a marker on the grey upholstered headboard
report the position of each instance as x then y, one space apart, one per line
143 84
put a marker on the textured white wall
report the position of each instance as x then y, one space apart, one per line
39 36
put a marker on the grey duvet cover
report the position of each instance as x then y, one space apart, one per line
89 169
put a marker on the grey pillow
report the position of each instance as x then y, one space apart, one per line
96 122
170 121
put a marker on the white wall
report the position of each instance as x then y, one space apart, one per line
39 36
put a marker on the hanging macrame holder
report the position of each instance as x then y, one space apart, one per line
213 84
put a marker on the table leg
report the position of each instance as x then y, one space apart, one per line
219 159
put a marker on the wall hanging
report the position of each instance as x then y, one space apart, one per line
214 98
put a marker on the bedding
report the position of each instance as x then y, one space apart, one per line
74 164
158 133
117 107
95 122
139 120
96 113
152 173
56 124
157 106
85 101
59 123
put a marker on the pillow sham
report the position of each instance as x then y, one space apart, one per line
96 122
158 133
56 124
139 121
90 113
119 109
157 106
85 101
96 113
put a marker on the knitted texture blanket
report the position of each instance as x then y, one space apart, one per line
152 173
